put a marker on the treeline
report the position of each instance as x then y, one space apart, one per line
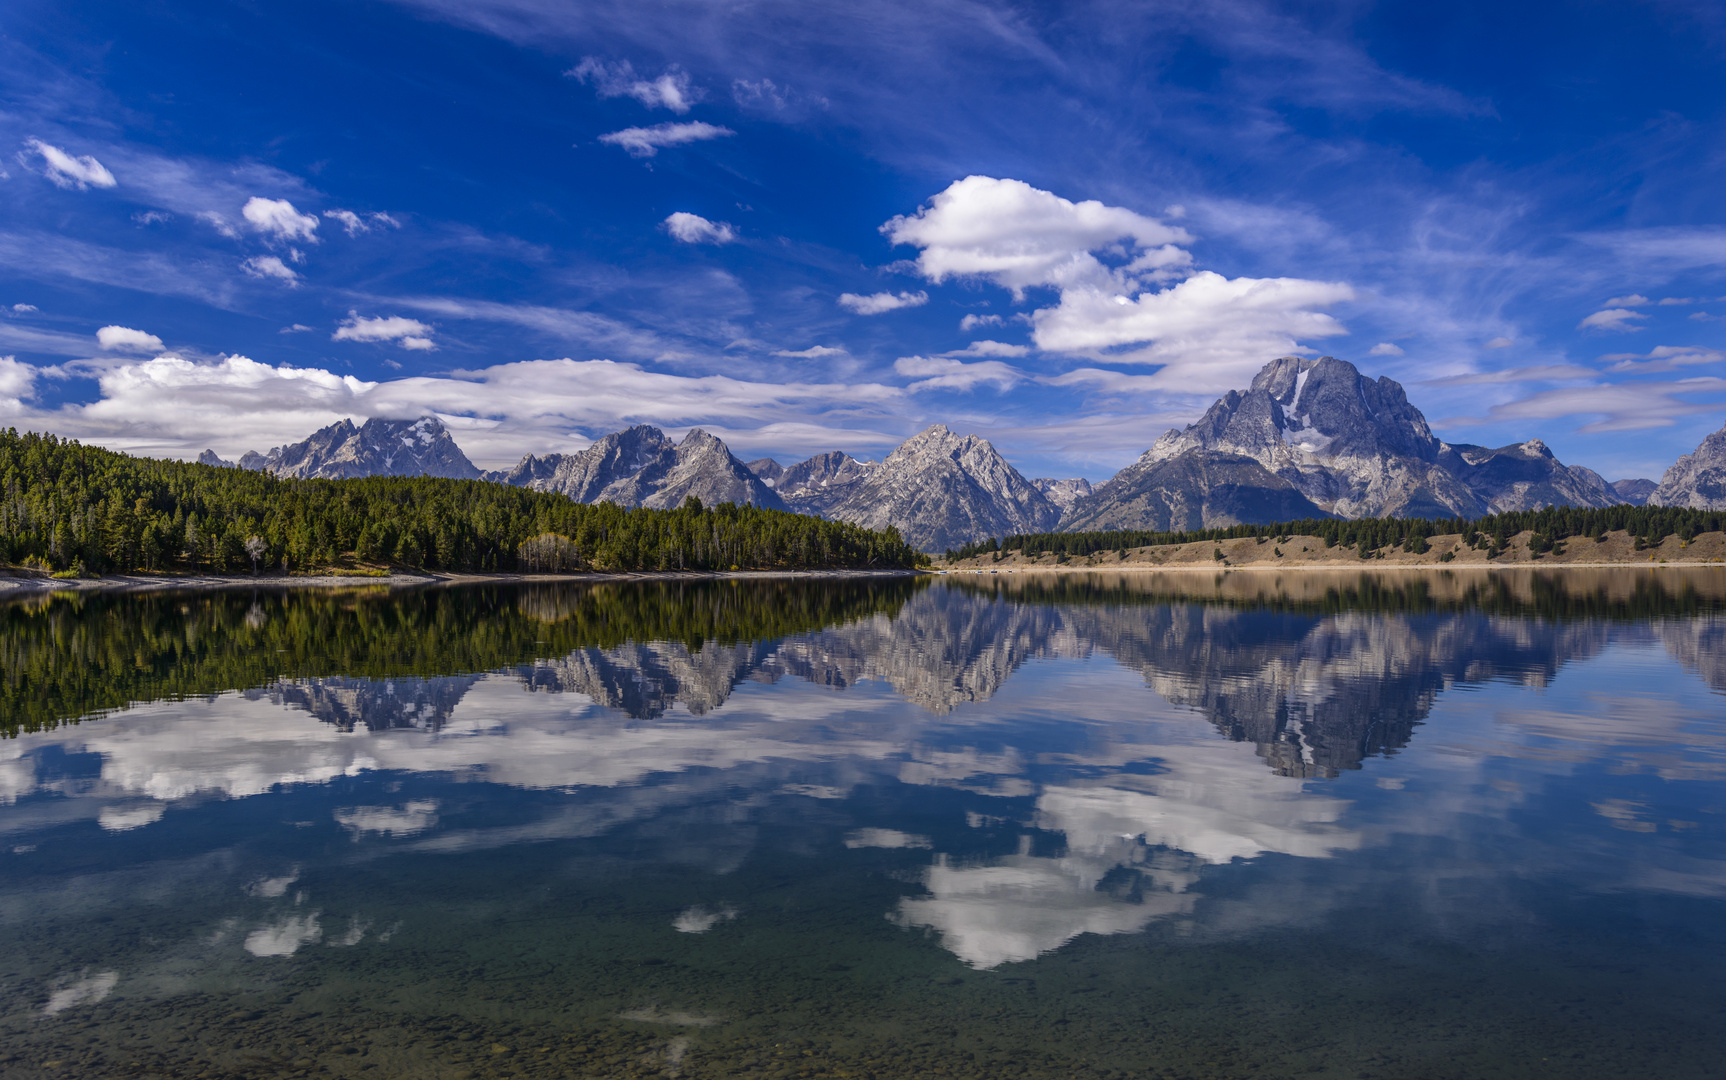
79 509
1560 596
69 655
1649 524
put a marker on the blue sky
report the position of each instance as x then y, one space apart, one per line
809 226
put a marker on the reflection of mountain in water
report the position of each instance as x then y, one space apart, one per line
1318 695
1698 644
376 704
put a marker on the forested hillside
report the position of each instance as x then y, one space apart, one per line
73 508
1649 524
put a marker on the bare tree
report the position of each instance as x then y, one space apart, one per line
255 548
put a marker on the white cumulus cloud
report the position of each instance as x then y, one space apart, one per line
64 170
124 337
25 308
1018 236
670 90
695 229
881 302
1612 319
408 333
971 322
270 267
1385 348
813 352
17 380
648 141
1207 332
277 219
1633 300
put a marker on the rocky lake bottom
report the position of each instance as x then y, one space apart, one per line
1112 826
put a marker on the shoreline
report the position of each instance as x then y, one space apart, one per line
1327 568
30 584
1295 552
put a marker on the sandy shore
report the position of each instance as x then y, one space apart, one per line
27 583
1617 551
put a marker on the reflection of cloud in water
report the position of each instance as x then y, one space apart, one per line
405 820
85 991
284 937
699 920
885 838
123 818
271 887
1132 853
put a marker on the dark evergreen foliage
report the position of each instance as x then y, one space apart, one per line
1551 527
67 655
69 507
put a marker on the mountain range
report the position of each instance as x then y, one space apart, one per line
1310 438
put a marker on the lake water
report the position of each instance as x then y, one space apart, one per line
1232 825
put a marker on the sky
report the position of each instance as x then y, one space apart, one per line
810 226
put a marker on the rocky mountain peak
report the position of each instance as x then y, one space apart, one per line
1063 493
417 447
942 490
1696 481
824 481
639 466
768 470
1352 446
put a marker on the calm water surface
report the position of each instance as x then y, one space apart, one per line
1148 826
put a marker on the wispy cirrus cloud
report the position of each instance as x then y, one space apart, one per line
1617 320
671 90
1631 406
882 302
645 142
67 171
948 373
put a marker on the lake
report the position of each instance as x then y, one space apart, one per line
1144 825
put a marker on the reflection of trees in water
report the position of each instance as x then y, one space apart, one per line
1319 670
68 656
1317 694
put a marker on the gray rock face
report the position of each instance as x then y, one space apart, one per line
208 457
943 490
526 471
1199 489
641 467
1635 492
1526 476
1354 447
253 460
768 470
823 482
1063 493
342 451
1696 481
